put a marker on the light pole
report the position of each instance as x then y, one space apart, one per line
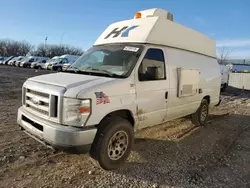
45 42
45 45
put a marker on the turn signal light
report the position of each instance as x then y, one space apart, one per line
84 110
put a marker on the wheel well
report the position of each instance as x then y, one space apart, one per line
207 98
126 114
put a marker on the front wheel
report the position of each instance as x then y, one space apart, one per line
59 69
113 143
199 118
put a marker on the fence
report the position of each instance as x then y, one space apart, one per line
239 80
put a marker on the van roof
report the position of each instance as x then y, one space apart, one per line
155 27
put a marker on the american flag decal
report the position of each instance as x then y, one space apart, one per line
101 98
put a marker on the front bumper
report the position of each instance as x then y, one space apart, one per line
64 68
56 135
33 66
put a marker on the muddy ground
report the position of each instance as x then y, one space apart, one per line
170 155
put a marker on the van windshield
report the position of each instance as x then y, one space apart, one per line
113 60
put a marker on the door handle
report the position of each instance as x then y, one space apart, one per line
166 95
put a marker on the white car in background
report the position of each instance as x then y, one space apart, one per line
50 62
40 63
14 60
64 59
2 59
67 65
27 62
224 70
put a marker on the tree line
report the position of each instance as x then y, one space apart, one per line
23 48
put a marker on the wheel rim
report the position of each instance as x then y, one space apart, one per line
118 145
203 113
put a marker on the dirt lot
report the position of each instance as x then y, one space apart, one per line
169 155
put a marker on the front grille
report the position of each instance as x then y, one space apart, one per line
39 110
38 93
44 104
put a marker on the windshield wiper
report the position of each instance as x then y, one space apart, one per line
94 71
102 71
74 69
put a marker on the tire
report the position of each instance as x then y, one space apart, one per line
39 67
199 118
59 69
111 157
223 89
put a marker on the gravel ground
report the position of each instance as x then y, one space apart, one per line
174 154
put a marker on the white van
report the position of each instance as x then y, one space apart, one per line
224 76
139 73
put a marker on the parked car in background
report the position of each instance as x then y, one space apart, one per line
10 62
40 63
17 63
13 61
5 62
27 62
224 77
2 59
67 65
64 59
50 62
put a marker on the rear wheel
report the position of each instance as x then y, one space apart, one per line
113 143
199 118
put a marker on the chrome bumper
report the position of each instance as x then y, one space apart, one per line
54 134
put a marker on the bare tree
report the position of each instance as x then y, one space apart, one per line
223 55
25 47
14 48
40 51
56 50
17 48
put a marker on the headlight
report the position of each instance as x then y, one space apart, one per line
76 111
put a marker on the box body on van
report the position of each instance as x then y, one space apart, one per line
139 73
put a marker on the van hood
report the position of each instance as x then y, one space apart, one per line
69 80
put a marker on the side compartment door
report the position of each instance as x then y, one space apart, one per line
152 87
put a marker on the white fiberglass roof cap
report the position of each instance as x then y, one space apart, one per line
155 26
